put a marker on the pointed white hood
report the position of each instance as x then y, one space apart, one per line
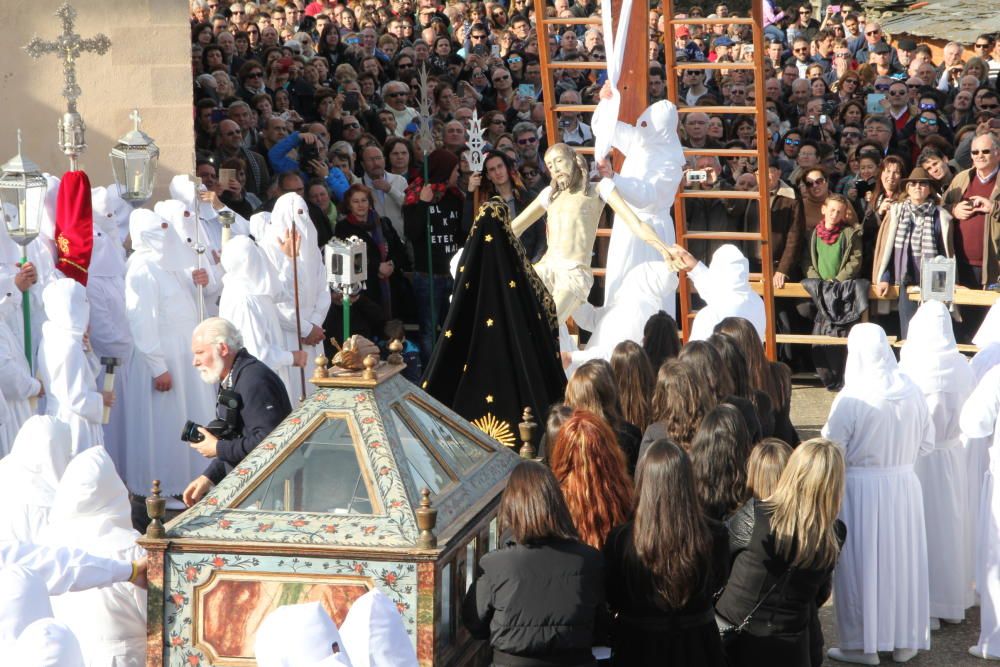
25 600
871 366
67 309
108 256
248 269
90 503
48 643
375 635
930 356
182 188
38 458
298 635
154 240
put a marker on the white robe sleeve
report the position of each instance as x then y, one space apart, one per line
839 425
141 299
238 310
63 569
979 414
16 382
322 302
67 383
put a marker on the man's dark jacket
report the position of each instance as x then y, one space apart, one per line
265 405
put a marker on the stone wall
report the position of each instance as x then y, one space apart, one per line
148 67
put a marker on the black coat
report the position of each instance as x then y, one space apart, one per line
783 631
646 631
537 602
265 405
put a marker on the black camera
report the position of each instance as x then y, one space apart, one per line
308 153
228 423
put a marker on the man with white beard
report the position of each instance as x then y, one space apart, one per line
164 389
257 391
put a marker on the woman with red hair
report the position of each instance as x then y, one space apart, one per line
592 474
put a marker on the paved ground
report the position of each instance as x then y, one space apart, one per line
950 644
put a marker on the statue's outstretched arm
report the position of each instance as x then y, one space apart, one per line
529 215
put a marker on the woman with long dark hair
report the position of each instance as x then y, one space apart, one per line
771 377
500 178
635 379
537 599
660 339
681 400
719 455
592 387
786 567
662 569
592 475
762 424
888 189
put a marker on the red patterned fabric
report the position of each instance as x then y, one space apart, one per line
74 226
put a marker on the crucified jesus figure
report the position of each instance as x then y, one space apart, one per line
574 208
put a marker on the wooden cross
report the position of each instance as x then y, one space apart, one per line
68 46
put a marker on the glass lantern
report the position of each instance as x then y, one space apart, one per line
22 196
133 162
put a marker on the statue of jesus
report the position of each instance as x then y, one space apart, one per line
574 208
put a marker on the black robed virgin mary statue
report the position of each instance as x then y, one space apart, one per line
499 350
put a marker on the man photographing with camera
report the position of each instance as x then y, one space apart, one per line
252 401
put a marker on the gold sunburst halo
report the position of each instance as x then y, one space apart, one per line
496 429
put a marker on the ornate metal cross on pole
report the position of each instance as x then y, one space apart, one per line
69 46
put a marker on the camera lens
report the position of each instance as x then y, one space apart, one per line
190 432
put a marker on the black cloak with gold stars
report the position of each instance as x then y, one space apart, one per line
499 350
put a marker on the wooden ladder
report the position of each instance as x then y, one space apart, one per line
758 111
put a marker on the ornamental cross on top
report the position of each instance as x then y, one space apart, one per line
68 46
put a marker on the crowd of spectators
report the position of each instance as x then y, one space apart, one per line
320 97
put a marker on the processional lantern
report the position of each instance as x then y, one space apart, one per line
133 163
22 199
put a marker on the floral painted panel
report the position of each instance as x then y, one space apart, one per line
218 590
213 518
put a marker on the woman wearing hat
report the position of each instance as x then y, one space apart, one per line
916 229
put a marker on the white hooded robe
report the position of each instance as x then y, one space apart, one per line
17 386
931 359
314 293
64 366
881 421
979 421
375 635
647 289
91 511
725 287
47 643
299 635
29 476
250 287
109 335
162 316
648 181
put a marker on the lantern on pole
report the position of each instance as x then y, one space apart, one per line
133 162
22 197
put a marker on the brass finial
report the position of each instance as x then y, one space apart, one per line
370 362
426 520
156 509
527 429
396 352
319 373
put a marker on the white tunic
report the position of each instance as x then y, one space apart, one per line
932 360
979 421
647 289
882 422
47 643
17 386
25 601
162 315
72 394
248 293
649 179
725 287
91 511
29 476
109 337
314 293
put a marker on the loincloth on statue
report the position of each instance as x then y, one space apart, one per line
569 284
